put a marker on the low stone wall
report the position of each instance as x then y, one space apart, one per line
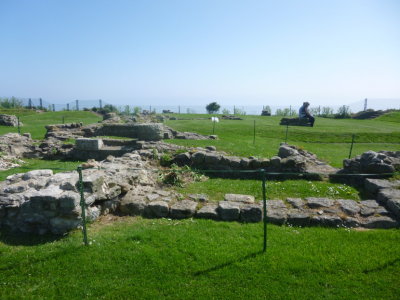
145 132
289 159
373 163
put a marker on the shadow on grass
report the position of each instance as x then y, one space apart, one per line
11 238
384 266
227 264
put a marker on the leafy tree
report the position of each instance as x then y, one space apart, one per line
213 107
343 112
225 111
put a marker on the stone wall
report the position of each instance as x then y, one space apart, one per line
289 159
145 132
372 162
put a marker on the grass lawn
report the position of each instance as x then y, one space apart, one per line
134 258
330 138
34 123
216 188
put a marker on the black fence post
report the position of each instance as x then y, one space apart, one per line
263 177
19 128
83 207
351 146
287 129
254 133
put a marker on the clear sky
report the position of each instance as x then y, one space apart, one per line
197 51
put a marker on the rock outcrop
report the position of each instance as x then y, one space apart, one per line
9 120
372 162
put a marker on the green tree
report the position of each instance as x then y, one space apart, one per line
213 107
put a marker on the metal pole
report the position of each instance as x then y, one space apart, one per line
264 209
77 104
351 146
67 106
19 128
30 103
100 104
83 206
41 104
287 129
254 133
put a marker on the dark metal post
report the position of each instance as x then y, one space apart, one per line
67 106
30 103
83 207
100 104
287 129
264 209
77 104
351 146
19 128
254 133
41 104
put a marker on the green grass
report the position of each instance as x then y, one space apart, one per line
201 259
36 164
393 116
216 188
330 138
35 123
134 258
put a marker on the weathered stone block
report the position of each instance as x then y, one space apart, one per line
394 206
319 202
183 209
298 218
132 204
295 202
350 207
157 209
251 213
239 198
229 211
86 144
209 211
386 194
380 222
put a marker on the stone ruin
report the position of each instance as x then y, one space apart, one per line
9 120
40 201
372 162
289 159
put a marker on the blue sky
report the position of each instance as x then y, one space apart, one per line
193 52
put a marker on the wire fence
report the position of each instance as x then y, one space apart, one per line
287 110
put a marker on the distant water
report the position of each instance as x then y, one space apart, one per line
376 104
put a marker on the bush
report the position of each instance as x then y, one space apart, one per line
11 103
286 112
225 111
343 112
213 107
327 112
